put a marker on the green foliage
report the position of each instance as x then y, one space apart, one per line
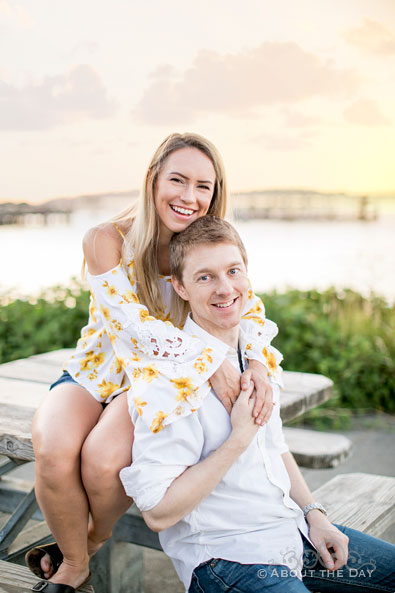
342 335
51 321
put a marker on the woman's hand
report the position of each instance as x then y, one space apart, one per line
244 427
257 373
226 384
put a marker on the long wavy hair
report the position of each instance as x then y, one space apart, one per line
141 242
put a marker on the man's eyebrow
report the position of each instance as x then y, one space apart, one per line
208 271
185 177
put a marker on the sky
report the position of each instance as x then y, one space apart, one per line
294 94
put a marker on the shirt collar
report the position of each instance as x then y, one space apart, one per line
194 329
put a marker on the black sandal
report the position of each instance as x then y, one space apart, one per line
33 559
49 587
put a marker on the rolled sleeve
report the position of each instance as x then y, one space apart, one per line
158 459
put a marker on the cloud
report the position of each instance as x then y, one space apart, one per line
296 119
239 84
76 95
18 15
365 112
372 37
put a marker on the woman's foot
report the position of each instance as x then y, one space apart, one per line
72 575
46 566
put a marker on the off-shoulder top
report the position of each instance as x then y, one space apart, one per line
123 348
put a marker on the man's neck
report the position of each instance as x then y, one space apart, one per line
229 336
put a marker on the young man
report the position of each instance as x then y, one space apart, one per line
232 507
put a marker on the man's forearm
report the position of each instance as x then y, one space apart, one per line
300 492
193 486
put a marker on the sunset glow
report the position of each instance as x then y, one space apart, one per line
294 94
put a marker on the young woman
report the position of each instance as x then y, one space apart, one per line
129 335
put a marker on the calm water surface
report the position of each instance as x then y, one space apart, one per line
282 254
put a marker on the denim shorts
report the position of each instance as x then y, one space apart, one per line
64 378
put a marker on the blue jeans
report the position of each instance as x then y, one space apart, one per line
370 568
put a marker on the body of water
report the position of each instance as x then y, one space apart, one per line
297 254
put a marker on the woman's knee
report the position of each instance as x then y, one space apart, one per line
101 461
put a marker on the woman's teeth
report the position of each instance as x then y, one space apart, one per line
182 210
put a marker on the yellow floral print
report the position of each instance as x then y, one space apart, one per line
116 366
105 312
200 366
92 312
117 325
271 360
249 347
157 423
206 355
145 316
106 388
134 342
111 290
112 337
135 357
130 297
184 387
138 402
92 360
136 374
88 333
150 373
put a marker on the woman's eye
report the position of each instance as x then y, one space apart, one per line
206 187
204 278
176 179
233 271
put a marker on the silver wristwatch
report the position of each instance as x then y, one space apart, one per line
314 505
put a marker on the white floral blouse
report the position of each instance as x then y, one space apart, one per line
123 347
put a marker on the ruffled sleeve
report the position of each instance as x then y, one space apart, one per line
256 337
168 369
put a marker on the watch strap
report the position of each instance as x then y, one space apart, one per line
314 505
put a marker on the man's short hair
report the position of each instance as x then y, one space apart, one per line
204 230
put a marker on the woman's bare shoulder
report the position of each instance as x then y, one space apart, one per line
102 247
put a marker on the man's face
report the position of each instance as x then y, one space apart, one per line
216 285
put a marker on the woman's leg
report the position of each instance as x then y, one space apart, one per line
60 427
370 567
107 449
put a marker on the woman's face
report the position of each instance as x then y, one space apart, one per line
183 190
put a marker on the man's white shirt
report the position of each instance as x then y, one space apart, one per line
249 517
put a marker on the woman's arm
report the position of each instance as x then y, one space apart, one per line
148 349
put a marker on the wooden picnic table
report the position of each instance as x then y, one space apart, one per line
24 383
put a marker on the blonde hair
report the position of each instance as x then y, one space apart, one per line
142 238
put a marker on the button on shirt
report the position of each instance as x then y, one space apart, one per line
249 517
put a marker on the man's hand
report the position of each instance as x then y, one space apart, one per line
257 373
226 384
331 544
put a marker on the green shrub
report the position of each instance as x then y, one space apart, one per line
342 335
51 321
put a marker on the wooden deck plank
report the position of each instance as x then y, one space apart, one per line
361 501
18 579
